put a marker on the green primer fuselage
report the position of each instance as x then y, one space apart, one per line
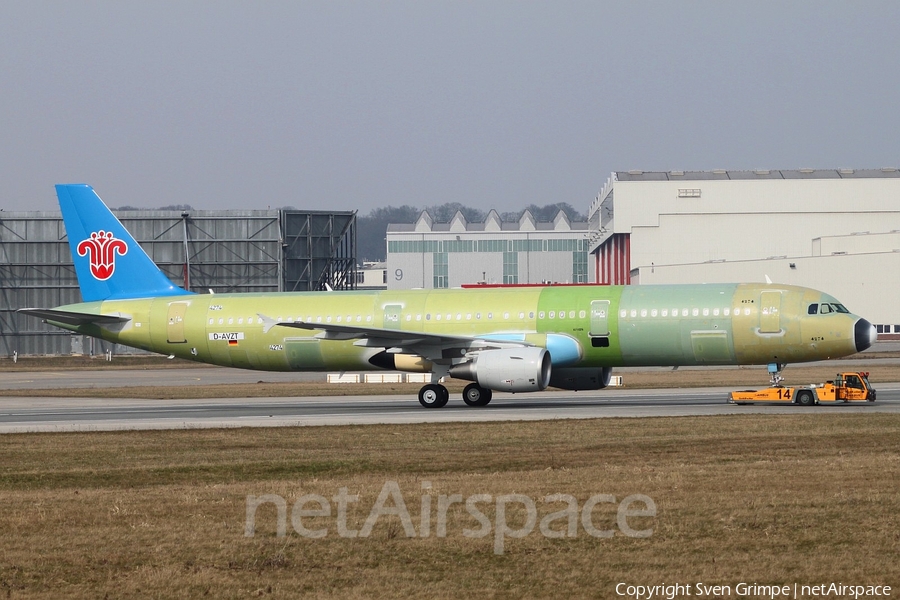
613 326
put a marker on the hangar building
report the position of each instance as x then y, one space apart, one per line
426 254
833 230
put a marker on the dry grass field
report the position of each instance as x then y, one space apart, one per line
768 499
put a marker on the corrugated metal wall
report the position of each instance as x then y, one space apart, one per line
320 248
35 271
227 251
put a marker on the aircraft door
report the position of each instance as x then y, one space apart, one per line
770 312
175 322
599 318
392 316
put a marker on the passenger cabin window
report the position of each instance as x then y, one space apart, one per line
813 309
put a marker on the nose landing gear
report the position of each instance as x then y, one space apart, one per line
775 370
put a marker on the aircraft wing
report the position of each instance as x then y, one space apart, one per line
428 345
73 318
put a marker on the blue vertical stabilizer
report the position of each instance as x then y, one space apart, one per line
109 263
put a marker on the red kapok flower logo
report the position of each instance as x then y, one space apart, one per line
101 249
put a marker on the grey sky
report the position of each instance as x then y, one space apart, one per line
352 105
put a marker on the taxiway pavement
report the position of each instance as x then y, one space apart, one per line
21 414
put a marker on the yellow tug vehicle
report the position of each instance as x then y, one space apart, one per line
846 387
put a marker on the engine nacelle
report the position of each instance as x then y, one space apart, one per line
581 378
507 369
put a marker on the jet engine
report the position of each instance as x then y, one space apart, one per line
581 378
507 369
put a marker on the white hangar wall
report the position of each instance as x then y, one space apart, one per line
701 238
764 196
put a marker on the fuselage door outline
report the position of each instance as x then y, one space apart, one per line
599 318
175 322
392 314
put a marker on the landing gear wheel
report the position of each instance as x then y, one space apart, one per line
805 398
475 395
433 395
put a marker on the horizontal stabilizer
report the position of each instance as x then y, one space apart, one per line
73 318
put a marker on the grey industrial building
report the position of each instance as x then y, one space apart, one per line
203 251
426 254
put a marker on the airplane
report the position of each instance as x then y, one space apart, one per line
512 339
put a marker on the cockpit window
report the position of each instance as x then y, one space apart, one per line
826 308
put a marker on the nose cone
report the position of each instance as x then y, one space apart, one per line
865 335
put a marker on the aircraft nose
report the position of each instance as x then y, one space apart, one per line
865 335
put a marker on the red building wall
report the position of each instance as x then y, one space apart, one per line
613 260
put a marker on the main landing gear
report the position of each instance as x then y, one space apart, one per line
434 395
475 395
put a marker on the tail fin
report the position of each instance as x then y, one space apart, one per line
108 261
